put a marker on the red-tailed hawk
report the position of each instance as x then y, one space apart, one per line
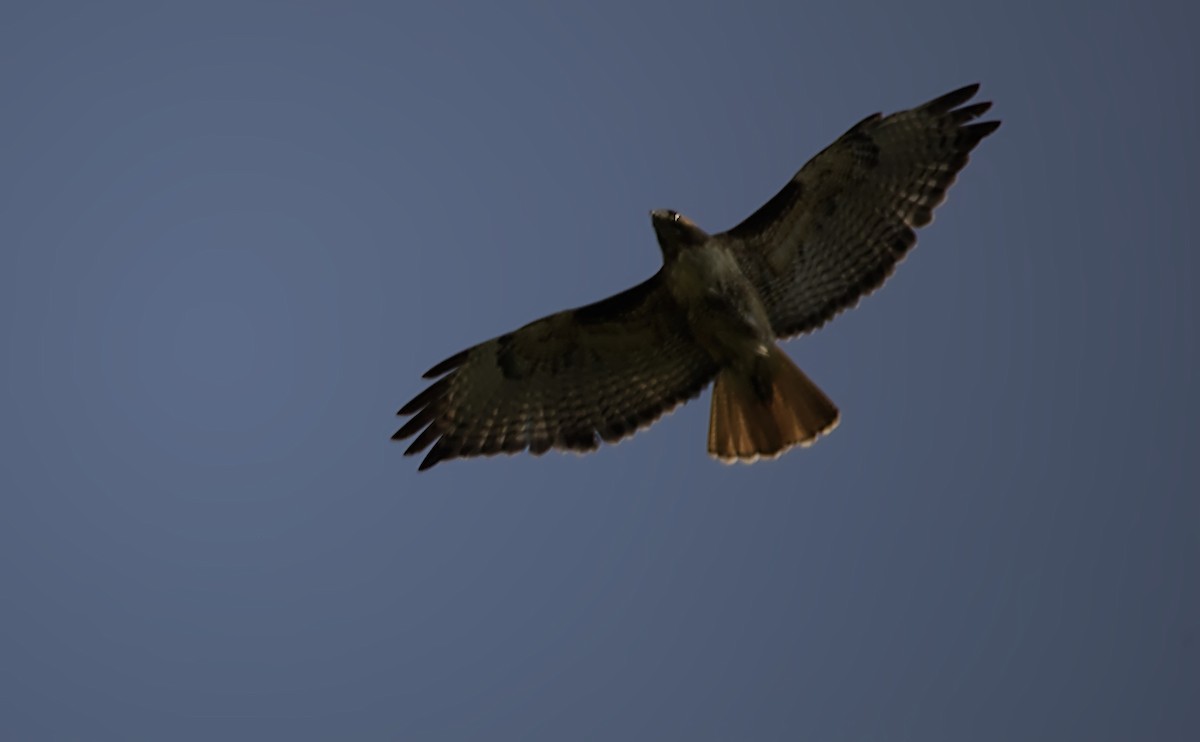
714 310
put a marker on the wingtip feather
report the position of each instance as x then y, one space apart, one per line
980 130
447 365
953 99
971 112
436 454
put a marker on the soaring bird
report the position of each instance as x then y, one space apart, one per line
715 309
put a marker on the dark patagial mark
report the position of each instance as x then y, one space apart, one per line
770 212
506 358
626 302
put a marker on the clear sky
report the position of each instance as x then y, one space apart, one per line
233 236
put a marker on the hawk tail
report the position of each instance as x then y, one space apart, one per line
762 415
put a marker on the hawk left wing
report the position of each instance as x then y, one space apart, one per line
837 229
603 371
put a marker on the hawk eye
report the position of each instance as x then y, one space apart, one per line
675 216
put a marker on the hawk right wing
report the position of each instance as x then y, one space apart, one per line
568 381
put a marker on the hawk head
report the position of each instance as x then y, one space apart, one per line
675 232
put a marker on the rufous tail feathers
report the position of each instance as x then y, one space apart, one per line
760 416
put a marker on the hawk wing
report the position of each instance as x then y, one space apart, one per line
602 371
837 229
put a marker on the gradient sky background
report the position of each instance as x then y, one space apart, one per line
233 236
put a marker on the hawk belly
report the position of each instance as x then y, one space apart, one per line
724 311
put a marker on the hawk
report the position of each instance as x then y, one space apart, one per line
713 311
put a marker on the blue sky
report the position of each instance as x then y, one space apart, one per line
234 235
